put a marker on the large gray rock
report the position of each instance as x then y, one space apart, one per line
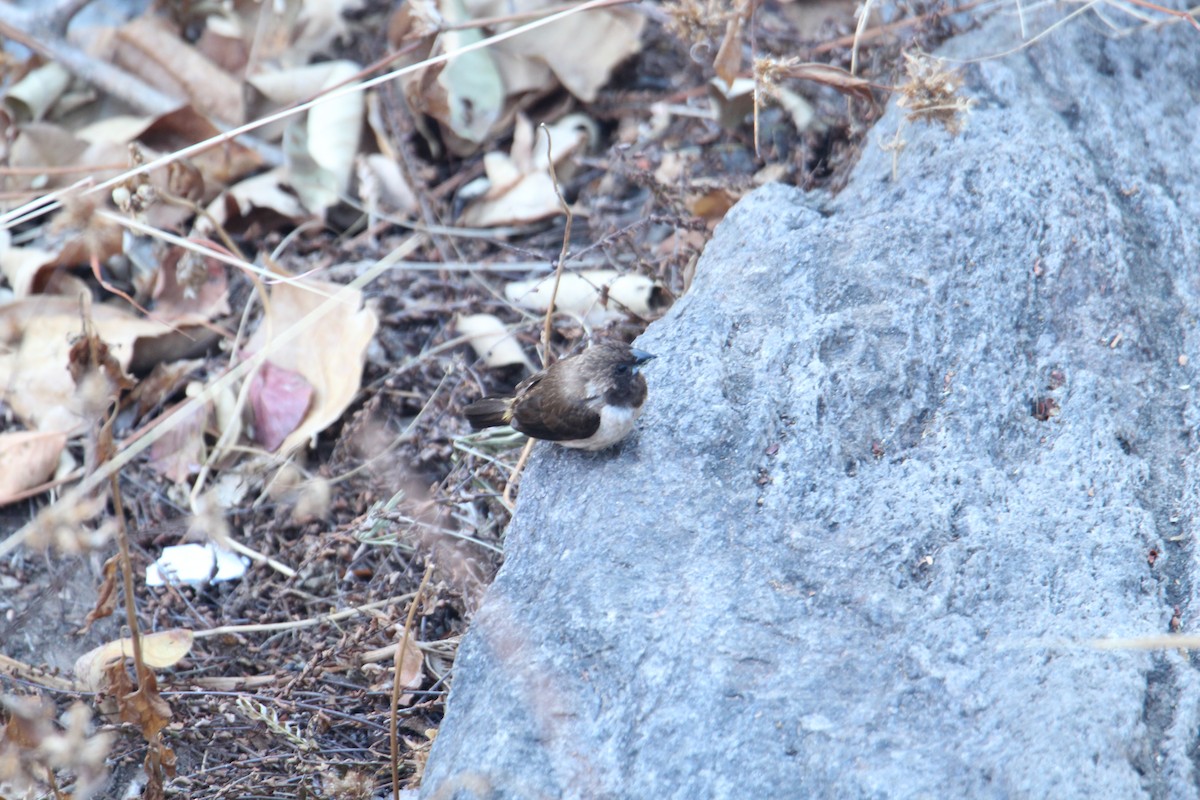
843 558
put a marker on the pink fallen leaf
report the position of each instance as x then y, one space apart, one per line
280 399
325 342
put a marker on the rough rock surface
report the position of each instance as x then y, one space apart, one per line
843 557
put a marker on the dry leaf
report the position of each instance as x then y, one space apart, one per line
35 343
382 187
106 596
161 649
731 102
178 454
728 62
34 94
411 664
335 127
492 340
279 398
27 459
145 708
321 155
149 49
770 72
518 188
412 671
329 352
247 198
474 92
27 269
594 295
581 50
191 289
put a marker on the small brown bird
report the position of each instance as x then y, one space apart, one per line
589 401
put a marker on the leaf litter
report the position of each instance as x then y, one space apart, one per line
274 333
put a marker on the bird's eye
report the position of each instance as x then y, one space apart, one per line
622 369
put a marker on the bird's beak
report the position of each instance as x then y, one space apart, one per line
641 356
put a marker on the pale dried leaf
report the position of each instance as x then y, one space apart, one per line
149 49
34 94
728 62
493 342
474 92
596 296
178 454
335 126
261 192
519 187
161 649
329 352
581 50
382 187
731 102
316 186
533 198
27 458
289 85
35 344
412 669
27 269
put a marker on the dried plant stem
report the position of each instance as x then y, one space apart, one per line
516 473
274 627
398 665
127 579
258 557
562 253
858 32
546 326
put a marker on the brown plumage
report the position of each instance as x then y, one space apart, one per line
589 401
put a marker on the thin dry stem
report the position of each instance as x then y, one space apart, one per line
398 665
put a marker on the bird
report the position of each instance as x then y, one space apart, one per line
588 401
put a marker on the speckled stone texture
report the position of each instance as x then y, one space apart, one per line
842 556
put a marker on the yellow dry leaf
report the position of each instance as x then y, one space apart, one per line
161 649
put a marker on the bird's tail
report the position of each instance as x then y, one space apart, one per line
489 412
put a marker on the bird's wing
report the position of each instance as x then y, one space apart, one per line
534 416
